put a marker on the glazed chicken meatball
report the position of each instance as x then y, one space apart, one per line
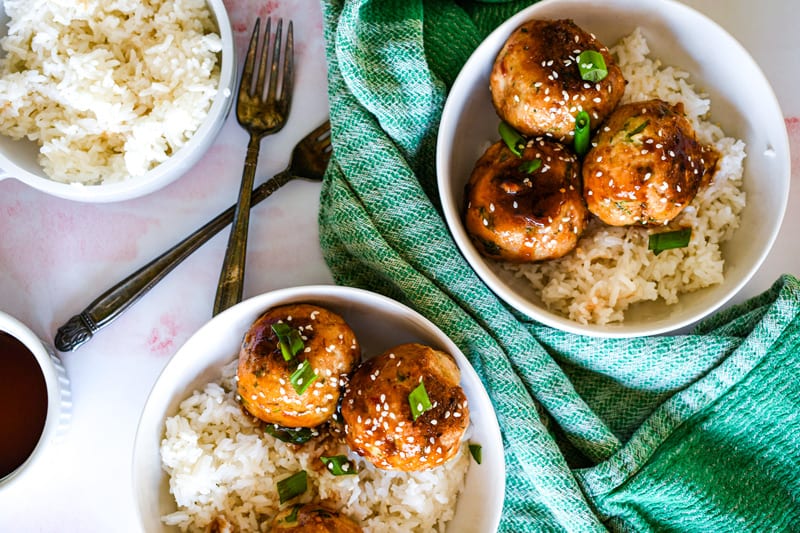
646 165
313 518
312 334
379 423
536 83
524 209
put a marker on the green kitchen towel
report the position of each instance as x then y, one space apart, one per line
696 432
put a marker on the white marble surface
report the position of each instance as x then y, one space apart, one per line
57 256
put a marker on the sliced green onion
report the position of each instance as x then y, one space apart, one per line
669 239
419 401
514 141
292 517
303 377
475 450
292 486
288 339
292 435
592 65
529 167
339 465
638 129
582 133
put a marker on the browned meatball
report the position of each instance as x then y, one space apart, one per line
515 214
264 383
536 84
646 165
378 420
313 518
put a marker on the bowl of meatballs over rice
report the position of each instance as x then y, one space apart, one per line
613 169
319 408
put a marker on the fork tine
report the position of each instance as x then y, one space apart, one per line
247 72
321 131
288 69
262 65
276 57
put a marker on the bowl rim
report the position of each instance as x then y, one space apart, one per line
57 387
162 400
446 185
177 164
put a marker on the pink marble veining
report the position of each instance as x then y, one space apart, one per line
161 340
51 231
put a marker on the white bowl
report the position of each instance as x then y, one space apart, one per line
379 323
59 396
742 102
18 158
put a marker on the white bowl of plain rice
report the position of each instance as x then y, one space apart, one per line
103 102
195 443
611 284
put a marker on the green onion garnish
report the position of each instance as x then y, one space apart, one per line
529 167
638 129
419 401
288 339
287 434
592 65
669 239
514 141
339 465
475 451
302 377
292 517
292 486
582 133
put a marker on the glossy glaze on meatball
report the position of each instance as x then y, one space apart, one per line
646 165
378 419
537 86
518 212
264 375
313 518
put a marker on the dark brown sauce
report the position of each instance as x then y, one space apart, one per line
23 403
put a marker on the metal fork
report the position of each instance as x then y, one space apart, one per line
260 115
309 161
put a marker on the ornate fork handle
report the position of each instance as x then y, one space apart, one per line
101 312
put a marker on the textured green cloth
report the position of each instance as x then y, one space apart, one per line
689 433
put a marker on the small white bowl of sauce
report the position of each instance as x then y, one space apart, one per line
35 393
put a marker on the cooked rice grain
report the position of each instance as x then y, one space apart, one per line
611 267
220 463
108 89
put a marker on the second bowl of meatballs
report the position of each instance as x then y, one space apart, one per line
319 408
617 169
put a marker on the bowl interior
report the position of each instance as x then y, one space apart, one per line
18 158
742 102
379 324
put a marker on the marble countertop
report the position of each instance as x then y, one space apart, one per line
56 256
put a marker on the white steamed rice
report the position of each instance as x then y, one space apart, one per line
611 267
220 463
108 88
